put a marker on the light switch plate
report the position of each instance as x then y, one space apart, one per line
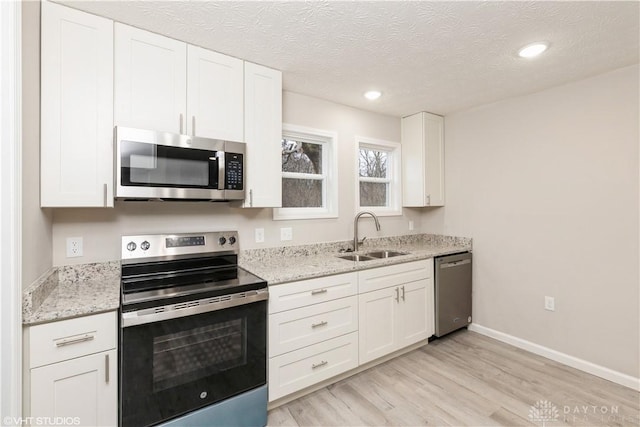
549 303
286 233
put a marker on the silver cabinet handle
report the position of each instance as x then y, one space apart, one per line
250 198
104 194
397 294
86 337
403 293
428 200
318 291
317 365
180 123
106 368
193 125
317 325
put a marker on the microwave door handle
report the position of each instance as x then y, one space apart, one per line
221 169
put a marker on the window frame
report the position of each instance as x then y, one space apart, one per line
394 175
329 142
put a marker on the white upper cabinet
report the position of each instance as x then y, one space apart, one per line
167 85
423 160
263 135
76 166
215 84
150 80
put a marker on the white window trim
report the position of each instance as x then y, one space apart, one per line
330 173
395 176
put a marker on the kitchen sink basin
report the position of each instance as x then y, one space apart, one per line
384 254
356 257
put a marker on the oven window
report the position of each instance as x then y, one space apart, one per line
153 165
188 356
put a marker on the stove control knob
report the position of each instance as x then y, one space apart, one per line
222 241
232 240
131 246
145 245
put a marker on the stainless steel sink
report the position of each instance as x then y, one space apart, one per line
384 254
356 257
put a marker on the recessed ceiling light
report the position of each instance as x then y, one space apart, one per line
372 95
532 50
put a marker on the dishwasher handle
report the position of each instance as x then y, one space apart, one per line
455 263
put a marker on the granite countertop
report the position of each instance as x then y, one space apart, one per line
80 290
288 264
72 291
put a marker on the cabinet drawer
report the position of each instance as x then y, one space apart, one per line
292 295
393 275
296 370
294 329
67 339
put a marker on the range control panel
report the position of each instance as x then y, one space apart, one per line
159 245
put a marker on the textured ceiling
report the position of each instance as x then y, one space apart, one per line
424 56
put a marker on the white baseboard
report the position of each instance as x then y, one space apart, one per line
574 362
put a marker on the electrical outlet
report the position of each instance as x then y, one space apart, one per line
74 247
410 225
286 233
259 233
550 303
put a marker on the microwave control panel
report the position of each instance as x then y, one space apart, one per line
233 171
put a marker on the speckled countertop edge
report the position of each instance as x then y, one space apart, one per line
289 264
72 291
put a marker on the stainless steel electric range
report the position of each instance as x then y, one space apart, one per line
193 335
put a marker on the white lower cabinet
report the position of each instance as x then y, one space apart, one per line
395 316
71 371
320 328
313 332
305 326
302 368
84 390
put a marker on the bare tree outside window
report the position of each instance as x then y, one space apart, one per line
373 167
302 184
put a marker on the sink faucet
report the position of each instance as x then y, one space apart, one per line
356 242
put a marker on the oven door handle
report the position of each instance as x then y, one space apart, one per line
190 308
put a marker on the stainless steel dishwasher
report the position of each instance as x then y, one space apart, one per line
452 292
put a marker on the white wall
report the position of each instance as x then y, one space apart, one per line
101 228
36 222
547 186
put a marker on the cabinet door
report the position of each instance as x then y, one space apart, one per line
85 389
378 323
423 160
76 167
215 95
263 135
434 159
150 80
414 314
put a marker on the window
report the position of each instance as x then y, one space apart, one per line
309 174
378 170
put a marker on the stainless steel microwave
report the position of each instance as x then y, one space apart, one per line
154 165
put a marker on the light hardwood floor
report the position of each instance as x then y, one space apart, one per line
466 379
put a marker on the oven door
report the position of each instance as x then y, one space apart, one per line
175 366
168 166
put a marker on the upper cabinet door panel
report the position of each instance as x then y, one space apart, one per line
150 80
423 160
76 108
263 135
215 86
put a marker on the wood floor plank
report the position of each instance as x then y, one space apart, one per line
466 379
